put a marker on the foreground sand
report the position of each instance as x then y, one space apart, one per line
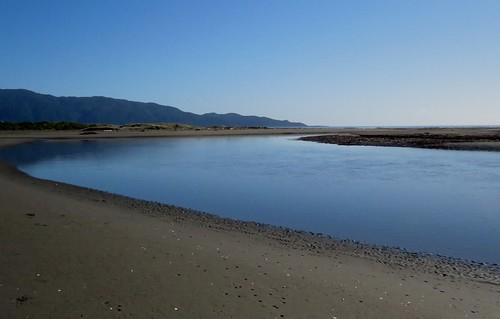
69 252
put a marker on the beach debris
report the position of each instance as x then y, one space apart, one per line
22 299
176 309
39 224
59 290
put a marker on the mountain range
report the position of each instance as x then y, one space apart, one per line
20 105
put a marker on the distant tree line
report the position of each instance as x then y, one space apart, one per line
38 126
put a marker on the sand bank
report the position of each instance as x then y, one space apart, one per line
445 139
71 252
78 134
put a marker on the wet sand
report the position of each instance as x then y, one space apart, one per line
71 252
446 139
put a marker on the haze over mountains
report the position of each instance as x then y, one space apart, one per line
19 105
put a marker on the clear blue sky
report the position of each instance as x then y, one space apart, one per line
347 62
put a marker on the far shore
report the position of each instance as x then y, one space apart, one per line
78 134
467 139
68 251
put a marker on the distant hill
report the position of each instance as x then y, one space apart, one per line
26 106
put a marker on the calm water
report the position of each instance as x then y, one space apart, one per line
444 202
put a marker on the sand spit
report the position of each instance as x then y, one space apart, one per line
486 141
81 134
71 252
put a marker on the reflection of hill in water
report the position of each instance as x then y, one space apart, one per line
29 153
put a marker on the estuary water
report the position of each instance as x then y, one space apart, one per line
435 201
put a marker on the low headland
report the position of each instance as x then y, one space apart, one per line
72 252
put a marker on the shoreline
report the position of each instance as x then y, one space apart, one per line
321 242
76 134
458 140
315 243
310 247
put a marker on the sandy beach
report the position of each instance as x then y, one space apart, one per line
71 252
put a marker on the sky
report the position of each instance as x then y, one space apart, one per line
338 63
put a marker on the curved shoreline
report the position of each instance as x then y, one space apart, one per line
73 252
314 243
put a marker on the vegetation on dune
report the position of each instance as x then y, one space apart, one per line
94 128
38 126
